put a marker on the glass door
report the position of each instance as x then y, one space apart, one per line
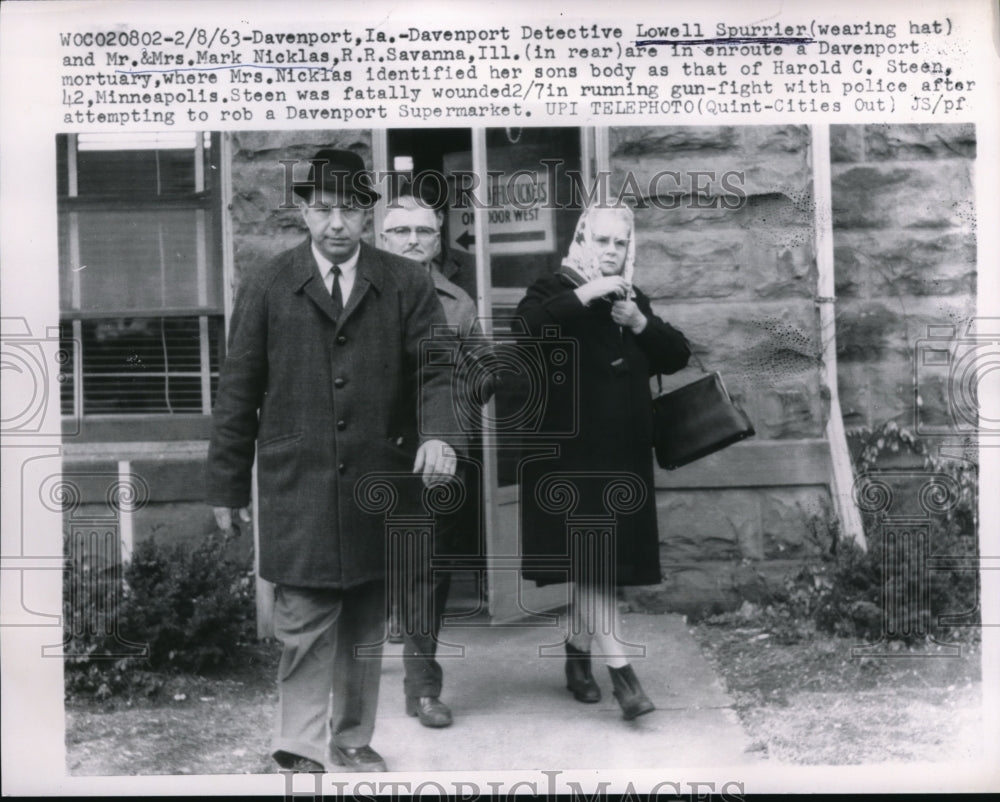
530 220
510 213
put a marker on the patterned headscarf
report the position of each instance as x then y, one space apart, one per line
582 257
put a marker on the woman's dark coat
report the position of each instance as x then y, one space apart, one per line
612 412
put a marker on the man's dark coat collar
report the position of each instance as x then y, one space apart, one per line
371 273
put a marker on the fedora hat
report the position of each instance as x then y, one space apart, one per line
341 172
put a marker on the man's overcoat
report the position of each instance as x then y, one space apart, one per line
326 399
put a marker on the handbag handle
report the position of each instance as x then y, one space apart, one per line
687 342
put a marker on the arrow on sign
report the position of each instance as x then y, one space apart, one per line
465 239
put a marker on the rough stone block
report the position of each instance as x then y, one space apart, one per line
780 263
867 331
903 262
855 396
732 174
941 371
847 143
792 411
717 173
936 391
259 212
686 265
253 251
708 524
776 139
901 194
697 590
788 174
948 318
670 174
891 390
850 273
642 140
920 141
685 213
796 522
707 588
878 335
253 212
777 347
773 214
754 348
309 141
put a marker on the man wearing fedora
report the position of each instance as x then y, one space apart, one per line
323 381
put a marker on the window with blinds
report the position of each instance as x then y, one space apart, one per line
140 274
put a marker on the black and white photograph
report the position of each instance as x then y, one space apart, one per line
641 444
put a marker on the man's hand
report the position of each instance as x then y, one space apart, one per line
600 287
436 460
224 517
626 313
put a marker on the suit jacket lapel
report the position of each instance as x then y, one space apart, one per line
368 276
308 280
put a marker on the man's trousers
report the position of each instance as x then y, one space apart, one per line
420 620
332 642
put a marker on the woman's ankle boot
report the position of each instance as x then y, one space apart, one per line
579 678
629 692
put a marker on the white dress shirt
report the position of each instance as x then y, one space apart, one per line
348 271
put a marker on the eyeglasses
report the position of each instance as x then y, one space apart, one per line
423 232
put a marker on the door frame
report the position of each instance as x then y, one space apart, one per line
511 600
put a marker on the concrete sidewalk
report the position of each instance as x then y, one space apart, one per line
513 712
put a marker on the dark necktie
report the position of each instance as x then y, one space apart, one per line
335 293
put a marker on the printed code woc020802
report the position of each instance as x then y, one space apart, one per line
202 37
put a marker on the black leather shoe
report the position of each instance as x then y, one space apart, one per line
358 758
431 711
629 693
579 678
289 762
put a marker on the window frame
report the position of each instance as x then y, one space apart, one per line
144 426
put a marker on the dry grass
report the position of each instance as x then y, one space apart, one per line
194 725
812 703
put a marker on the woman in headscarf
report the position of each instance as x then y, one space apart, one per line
591 509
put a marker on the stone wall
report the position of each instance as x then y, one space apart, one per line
740 283
905 252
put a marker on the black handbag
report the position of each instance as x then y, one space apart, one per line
696 420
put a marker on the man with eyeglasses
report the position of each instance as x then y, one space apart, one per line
323 381
413 229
